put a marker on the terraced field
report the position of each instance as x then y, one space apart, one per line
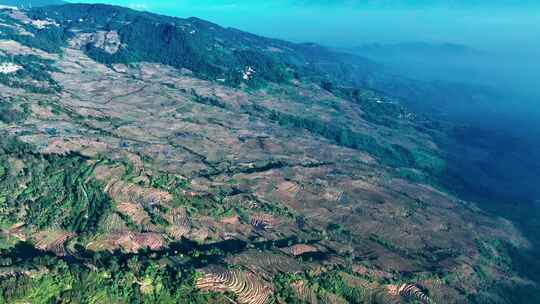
152 183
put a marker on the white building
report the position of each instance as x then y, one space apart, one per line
8 68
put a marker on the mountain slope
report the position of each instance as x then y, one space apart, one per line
207 49
216 160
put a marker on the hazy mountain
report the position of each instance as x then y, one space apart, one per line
426 61
478 78
416 49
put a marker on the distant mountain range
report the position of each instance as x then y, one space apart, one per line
431 69
416 49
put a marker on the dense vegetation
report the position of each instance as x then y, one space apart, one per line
52 192
55 191
33 76
116 279
9 114
49 39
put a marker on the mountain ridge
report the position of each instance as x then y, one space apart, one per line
177 27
